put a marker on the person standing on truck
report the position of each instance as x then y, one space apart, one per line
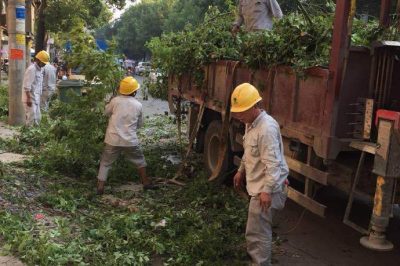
126 117
49 85
263 167
257 15
32 88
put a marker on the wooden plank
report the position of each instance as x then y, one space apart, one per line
306 202
308 171
364 146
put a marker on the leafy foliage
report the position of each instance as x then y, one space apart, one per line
191 49
102 67
157 88
151 18
62 16
199 224
3 101
138 24
70 139
296 40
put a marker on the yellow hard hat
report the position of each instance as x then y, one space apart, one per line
244 97
128 86
43 57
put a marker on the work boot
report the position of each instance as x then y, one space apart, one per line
100 187
148 184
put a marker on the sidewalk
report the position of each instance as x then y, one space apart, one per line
6 132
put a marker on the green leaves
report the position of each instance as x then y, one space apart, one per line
189 50
199 224
294 41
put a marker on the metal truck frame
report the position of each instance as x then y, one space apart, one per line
340 124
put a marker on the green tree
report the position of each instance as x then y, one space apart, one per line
185 12
64 15
139 24
151 18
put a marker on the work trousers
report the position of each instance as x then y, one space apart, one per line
110 154
45 99
32 114
259 228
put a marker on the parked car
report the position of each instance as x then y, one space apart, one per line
142 68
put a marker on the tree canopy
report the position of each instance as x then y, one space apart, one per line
61 16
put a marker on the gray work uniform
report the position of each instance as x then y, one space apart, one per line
125 118
258 14
49 85
32 84
266 171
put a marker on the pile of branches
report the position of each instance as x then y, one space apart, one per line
298 40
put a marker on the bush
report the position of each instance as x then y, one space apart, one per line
3 101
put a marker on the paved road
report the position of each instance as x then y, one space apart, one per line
151 106
327 241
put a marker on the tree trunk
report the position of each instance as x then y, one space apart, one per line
40 36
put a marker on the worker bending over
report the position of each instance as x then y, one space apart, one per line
126 118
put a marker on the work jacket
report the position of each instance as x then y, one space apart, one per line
263 160
126 117
258 14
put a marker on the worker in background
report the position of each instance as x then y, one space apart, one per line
263 167
49 85
126 117
32 88
257 15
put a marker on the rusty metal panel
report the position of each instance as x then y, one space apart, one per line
310 102
355 87
220 83
278 98
340 44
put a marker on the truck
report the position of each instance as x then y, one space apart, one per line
340 124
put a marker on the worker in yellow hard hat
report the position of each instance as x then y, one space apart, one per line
32 88
264 168
126 117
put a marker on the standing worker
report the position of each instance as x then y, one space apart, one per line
32 88
126 117
257 15
49 85
264 168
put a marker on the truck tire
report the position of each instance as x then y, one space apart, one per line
211 147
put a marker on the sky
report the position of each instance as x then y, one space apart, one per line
118 13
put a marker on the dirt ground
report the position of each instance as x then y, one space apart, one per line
10 261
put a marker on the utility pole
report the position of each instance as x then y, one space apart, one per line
17 53
28 31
